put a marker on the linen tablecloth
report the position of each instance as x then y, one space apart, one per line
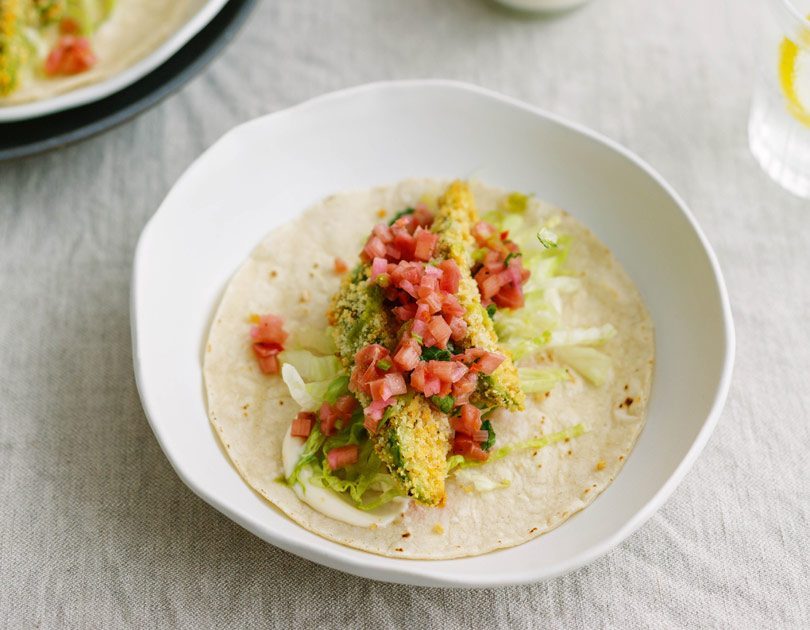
96 530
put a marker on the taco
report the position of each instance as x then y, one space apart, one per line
48 47
478 374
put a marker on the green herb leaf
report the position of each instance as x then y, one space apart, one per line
444 403
435 354
547 238
491 310
384 364
400 214
337 388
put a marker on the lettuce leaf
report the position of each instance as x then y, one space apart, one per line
298 389
310 366
540 380
318 340
591 363
367 483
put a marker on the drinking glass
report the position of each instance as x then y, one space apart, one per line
779 125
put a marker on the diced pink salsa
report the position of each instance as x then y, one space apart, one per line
342 456
302 425
422 295
268 336
500 275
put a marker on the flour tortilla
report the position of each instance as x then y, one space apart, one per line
291 274
134 29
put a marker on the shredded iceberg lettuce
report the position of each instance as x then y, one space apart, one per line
594 336
593 364
310 366
537 327
540 380
367 483
298 389
318 340
456 463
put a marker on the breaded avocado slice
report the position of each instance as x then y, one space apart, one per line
413 440
453 224
414 444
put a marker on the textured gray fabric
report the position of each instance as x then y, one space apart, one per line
96 530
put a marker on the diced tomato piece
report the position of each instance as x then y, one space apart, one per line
269 365
365 367
483 231
464 387
458 329
70 55
302 425
469 421
269 329
407 286
346 405
440 330
509 297
464 445
404 242
418 376
405 313
425 243
370 354
374 412
379 389
374 248
451 275
379 266
340 266
392 252
459 371
451 306
383 232
433 386
69 26
419 328
395 384
488 284
266 355
329 416
480 436
407 356
514 271
422 312
488 362
477 453
443 370
422 215
433 300
343 456
266 349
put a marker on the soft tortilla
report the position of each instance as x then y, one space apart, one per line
134 29
291 274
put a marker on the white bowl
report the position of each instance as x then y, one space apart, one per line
97 91
264 172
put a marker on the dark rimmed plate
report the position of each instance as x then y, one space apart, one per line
28 137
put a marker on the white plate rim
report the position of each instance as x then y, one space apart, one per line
120 80
413 572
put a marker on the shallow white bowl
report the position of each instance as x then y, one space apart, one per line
97 91
264 172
